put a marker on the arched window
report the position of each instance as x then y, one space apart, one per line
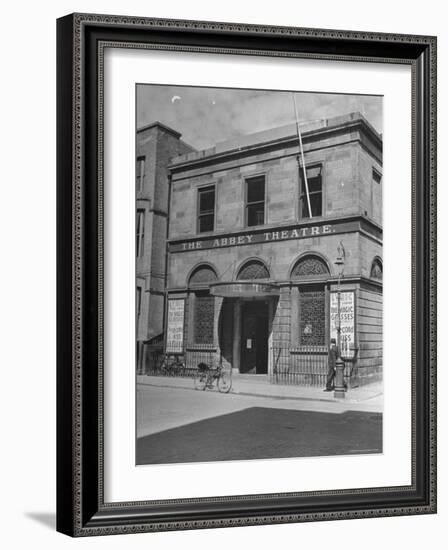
376 271
202 275
203 304
309 267
253 269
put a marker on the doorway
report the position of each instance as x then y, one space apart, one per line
254 337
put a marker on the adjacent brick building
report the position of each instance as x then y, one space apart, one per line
250 273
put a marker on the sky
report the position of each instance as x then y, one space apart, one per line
206 116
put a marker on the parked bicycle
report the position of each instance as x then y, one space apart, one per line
206 378
171 365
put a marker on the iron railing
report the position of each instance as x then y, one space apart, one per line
183 365
300 366
308 365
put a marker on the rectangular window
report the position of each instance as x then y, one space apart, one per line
312 316
140 241
206 209
314 179
139 300
140 173
255 201
376 176
204 313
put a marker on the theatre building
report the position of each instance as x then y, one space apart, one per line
261 235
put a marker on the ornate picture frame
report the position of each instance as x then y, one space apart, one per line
81 506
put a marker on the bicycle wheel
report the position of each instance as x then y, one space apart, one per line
224 382
200 380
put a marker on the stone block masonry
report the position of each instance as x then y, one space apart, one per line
343 157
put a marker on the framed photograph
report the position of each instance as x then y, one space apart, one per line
246 274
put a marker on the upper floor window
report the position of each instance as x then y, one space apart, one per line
139 300
255 201
314 180
140 240
376 176
140 173
206 209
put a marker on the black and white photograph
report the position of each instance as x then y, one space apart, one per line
207 342
259 274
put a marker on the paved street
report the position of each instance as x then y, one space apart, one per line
184 425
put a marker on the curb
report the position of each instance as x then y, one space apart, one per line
281 397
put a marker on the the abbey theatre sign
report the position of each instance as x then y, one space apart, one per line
245 238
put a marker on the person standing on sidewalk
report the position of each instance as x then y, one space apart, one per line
331 372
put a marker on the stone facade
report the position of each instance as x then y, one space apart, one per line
156 146
291 311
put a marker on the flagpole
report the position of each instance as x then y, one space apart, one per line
302 155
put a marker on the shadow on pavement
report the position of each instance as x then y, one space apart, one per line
258 432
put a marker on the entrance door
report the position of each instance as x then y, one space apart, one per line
254 338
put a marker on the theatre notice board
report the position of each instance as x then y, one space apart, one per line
347 319
175 326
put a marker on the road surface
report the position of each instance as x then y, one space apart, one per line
178 425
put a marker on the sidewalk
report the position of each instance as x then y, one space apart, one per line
260 386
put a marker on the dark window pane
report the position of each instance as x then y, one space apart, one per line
255 201
140 232
204 313
316 204
255 214
255 189
206 214
304 207
206 200
311 173
314 181
140 172
376 176
139 300
314 185
206 222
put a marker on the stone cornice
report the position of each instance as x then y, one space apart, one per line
205 158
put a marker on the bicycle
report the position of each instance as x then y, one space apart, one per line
171 365
206 376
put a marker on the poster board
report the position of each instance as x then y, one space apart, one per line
347 319
175 326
